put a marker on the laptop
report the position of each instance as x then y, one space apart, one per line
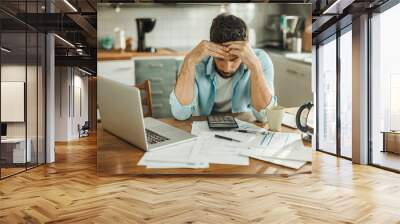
121 114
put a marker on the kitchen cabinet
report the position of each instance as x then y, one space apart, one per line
119 70
292 80
162 74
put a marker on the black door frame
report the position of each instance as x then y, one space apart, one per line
30 29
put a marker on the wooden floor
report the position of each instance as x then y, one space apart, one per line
69 191
386 159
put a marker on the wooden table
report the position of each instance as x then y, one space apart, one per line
391 141
117 157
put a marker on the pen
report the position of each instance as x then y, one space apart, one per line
252 132
226 138
247 131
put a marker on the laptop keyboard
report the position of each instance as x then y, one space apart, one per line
154 138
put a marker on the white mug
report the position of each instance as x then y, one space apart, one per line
275 116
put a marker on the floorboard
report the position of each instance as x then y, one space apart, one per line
69 191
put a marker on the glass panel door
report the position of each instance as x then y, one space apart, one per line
14 153
327 96
385 89
22 67
346 94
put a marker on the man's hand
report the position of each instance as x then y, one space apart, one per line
243 50
207 48
184 88
261 94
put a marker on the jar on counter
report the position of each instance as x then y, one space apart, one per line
119 39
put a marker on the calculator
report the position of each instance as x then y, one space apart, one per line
221 122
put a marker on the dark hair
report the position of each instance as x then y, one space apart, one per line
227 27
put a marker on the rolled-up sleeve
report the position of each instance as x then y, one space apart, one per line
268 70
179 111
262 114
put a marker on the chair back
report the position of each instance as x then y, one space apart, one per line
145 87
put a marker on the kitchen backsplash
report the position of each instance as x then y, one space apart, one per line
184 26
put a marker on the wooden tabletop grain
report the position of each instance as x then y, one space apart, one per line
118 157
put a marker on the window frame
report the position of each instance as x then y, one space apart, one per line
381 9
31 30
334 37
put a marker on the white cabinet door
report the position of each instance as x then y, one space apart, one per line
118 70
292 81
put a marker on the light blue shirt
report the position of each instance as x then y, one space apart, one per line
205 90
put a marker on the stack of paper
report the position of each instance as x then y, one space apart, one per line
175 156
204 150
284 149
221 151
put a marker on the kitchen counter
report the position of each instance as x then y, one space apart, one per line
126 55
303 57
292 80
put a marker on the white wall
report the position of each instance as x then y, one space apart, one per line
33 126
61 103
67 80
12 73
184 26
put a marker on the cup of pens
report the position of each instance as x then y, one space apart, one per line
275 117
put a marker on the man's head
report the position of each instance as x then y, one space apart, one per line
225 28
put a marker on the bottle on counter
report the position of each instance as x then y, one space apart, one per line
119 44
129 44
297 43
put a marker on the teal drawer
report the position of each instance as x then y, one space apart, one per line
160 98
146 69
161 109
160 93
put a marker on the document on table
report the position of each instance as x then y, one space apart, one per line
200 152
284 149
282 162
172 165
220 151
175 156
278 145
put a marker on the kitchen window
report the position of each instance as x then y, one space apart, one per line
334 106
385 89
327 96
346 75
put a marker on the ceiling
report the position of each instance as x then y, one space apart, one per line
331 15
73 20
202 1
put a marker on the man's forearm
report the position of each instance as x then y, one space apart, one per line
260 93
184 89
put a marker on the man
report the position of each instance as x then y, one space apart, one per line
224 75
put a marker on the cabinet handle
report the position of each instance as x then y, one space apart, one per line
124 68
156 79
157 92
292 71
156 65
